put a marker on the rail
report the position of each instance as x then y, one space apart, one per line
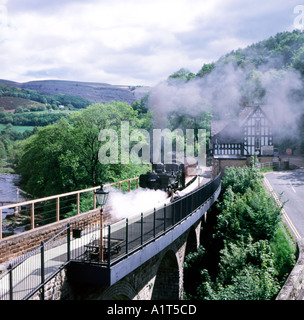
55 208
269 164
122 238
98 244
30 273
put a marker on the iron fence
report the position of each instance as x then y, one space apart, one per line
38 212
114 242
29 273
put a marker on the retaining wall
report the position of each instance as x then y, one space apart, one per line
17 245
293 288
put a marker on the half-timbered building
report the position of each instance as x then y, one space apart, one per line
234 141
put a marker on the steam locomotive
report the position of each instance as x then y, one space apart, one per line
169 176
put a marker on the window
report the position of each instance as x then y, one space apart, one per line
258 126
257 143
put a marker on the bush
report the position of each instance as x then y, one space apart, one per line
251 283
284 253
253 213
256 255
241 179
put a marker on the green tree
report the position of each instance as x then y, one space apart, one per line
206 69
241 179
255 255
246 209
3 153
246 273
64 156
251 283
298 61
182 74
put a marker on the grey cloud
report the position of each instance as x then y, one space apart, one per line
230 25
44 7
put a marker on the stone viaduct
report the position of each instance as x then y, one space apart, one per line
159 278
152 272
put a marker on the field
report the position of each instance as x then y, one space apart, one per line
19 129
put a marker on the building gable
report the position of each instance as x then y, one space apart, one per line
257 133
251 133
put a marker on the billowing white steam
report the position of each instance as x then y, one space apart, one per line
222 90
218 91
124 205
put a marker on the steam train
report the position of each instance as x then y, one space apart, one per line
169 176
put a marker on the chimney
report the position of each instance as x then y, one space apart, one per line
242 102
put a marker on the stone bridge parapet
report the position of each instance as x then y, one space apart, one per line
293 288
15 246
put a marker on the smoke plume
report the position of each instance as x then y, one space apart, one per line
124 205
222 90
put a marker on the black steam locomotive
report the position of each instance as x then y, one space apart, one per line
168 176
164 177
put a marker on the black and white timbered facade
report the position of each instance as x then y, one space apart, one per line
251 133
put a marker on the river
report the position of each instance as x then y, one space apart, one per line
8 192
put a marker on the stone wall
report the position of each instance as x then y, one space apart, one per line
231 163
293 289
56 289
225 163
17 245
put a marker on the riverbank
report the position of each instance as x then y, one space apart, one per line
9 193
6 167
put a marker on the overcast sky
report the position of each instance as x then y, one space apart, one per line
138 42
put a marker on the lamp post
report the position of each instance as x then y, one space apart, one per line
101 198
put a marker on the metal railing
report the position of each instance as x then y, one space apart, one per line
28 274
55 208
272 164
97 244
124 237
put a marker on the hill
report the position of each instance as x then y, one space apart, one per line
283 51
12 103
94 92
269 72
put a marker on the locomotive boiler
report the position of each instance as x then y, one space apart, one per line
169 176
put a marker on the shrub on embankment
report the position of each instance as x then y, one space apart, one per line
246 253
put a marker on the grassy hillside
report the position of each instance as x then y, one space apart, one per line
283 51
12 103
